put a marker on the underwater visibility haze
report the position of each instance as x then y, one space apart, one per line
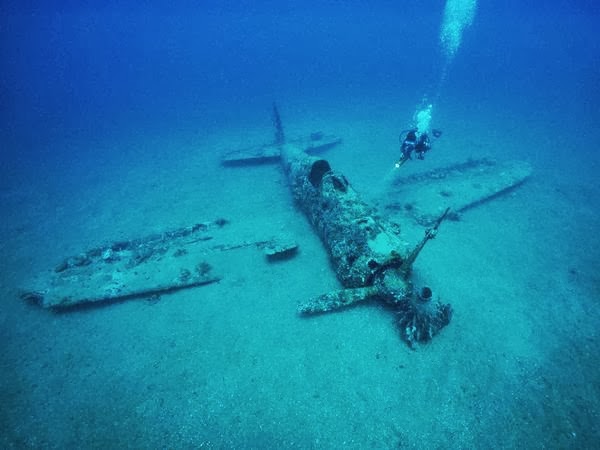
188 193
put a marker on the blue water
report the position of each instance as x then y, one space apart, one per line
114 118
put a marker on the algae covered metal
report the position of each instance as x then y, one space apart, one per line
144 267
460 186
365 249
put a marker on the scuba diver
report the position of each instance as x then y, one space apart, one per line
410 143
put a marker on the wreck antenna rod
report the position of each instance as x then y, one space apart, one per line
430 233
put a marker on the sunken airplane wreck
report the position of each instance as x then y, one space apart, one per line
365 249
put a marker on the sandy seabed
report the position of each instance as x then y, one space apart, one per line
231 365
